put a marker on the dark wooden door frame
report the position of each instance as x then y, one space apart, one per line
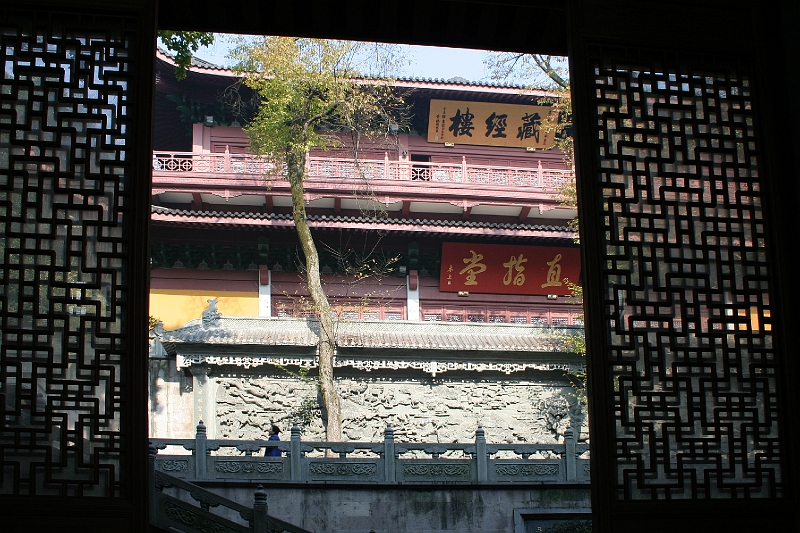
516 25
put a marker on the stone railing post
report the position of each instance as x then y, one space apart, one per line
295 454
153 451
386 165
389 456
201 451
480 455
569 453
464 169
260 521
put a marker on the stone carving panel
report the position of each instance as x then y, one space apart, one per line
248 467
418 410
545 470
436 470
194 519
170 465
343 469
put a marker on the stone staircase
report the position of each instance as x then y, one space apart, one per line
176 505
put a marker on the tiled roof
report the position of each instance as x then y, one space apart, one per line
199 216
197 63
245 331
201 64
452 336
408 335
461 82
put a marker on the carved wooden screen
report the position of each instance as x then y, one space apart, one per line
70 274
688 363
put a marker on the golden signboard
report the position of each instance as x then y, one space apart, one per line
462 122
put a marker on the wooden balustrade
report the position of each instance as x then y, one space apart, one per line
226 164
386 462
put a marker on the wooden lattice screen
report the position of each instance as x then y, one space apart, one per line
71 275
688 363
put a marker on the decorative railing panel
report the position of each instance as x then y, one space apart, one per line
388 462
224 165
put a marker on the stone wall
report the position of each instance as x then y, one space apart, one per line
412 509
419 410
239 404
172 411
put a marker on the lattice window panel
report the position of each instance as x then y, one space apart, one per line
689 347
65 183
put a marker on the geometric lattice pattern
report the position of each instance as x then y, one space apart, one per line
686 279
64 201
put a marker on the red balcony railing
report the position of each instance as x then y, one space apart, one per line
386 169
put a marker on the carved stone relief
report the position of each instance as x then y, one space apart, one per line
419 410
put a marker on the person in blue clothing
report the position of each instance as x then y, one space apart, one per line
273 435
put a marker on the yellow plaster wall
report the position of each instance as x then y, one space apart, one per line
177 307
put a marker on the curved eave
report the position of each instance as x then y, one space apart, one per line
208 219
202 66
255 332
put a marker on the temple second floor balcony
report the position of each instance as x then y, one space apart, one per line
454 189
245 166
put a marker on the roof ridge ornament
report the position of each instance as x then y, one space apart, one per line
211 316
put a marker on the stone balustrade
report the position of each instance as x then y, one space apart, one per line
244 165
388 462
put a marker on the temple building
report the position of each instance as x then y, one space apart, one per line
464 317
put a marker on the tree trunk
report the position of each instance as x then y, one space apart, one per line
332 409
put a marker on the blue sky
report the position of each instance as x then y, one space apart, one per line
426 61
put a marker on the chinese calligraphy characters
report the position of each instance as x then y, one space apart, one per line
515 263
530 127
490 124
554 273
483 268
473 268
462 123
497 124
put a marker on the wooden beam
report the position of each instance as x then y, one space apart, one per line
524 212
197 201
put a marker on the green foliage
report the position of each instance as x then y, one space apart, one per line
184 44
550 73
577 343
310 88
541 71
195 111
306 413
369 262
